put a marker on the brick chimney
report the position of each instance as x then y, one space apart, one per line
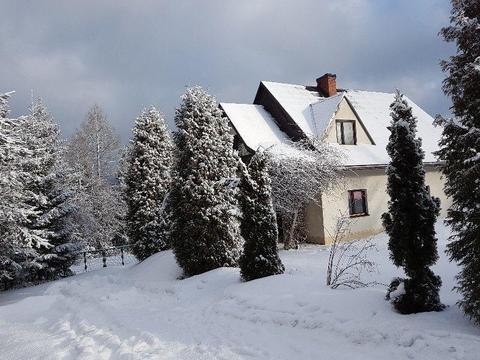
327 84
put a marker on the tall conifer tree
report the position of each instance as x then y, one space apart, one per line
17 241
259 224
49 195
147 183
205 232
411 216
460 149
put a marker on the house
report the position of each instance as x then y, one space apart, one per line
353 120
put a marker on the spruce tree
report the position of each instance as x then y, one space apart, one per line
460 149
49 197
259 224
16 241
147 183
411 216
205 232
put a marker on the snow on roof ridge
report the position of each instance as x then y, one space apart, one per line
303 87
235 103
369 91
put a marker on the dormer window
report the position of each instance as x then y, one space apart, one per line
346 134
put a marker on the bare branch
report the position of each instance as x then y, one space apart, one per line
348 259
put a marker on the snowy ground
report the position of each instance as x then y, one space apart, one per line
143 312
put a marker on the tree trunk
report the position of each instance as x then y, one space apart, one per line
290 238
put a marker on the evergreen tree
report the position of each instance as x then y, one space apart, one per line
259 224
460 149
147 183
49 196
205 232
411 216
16 241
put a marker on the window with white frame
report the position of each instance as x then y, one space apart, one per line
346 134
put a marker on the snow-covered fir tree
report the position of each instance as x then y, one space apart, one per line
93 154
48 196
259 224
147 183
205 232
16 242
460 149
411 216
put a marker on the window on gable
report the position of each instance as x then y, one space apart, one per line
357 201
346 134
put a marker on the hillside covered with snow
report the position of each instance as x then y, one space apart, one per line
144 312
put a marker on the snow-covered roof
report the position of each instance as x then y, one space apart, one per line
296 100
254 124
323 112
313 114
373 109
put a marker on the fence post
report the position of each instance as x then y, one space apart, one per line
104 255
121 249
85 259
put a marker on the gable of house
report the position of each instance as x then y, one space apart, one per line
300 112
345 112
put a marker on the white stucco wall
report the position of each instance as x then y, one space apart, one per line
320 222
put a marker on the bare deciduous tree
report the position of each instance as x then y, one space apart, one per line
93 153
300 172
348 259
94 148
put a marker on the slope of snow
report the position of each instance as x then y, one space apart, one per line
144 312
255 125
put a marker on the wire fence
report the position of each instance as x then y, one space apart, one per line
108 257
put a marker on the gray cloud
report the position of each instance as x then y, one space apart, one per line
125 54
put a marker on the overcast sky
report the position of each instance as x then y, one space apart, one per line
127 54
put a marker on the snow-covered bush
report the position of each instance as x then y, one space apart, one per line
205 232
259 225
300 172
460 149
411 216
413 295
147 184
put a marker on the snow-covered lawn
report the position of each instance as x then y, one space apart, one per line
143 312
